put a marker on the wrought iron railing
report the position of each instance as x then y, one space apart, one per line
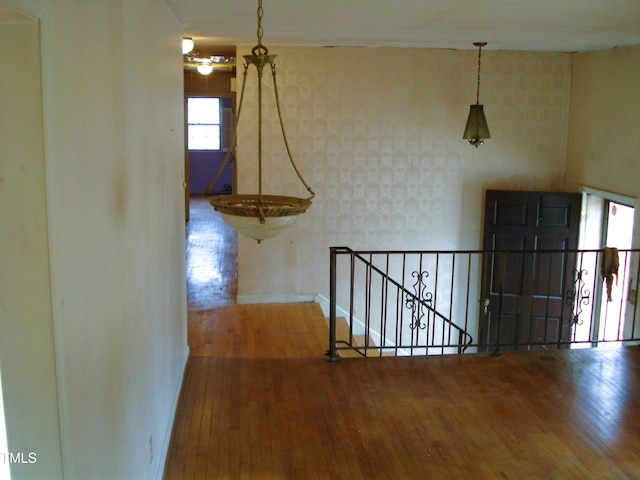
450 302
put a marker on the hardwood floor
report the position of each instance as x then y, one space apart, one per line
260 401
211 258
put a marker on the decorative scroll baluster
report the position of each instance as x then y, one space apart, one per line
578 296
419 302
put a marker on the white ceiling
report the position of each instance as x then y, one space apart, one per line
538 25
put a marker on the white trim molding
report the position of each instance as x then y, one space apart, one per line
615 197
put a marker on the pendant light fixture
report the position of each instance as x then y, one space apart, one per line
259 216
477 129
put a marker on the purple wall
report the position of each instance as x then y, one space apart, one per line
203 166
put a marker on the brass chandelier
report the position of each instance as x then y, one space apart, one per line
259 216
477 130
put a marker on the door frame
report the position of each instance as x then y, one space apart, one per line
587 240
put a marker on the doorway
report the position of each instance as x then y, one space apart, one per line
212 246
208 124
608 221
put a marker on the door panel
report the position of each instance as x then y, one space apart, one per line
525 288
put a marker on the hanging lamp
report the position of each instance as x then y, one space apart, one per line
477 129
259 216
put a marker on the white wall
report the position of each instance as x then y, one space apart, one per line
377 133
26 328
604 145
114 175
5 467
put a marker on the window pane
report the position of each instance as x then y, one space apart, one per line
203 110
203 137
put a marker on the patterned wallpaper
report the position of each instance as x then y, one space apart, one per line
377 133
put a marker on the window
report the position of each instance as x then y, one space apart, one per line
203 123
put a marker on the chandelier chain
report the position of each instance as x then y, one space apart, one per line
260 13
478 89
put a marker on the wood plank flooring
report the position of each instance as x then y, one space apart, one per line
260 401
269 406
211 258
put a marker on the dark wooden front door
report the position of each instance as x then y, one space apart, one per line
523 292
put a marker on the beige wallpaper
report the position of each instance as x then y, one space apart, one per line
378 135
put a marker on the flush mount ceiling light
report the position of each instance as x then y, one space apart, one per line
477 129
205 68
259 216
206 65
203 64
187 45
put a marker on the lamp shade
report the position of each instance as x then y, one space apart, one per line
477 129
259 216
251 227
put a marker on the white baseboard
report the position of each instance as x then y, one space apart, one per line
278 298
174 410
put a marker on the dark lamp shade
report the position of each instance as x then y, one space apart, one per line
477 129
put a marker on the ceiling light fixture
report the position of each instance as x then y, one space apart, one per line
205 68
477 129
259 216
216 62
187 45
